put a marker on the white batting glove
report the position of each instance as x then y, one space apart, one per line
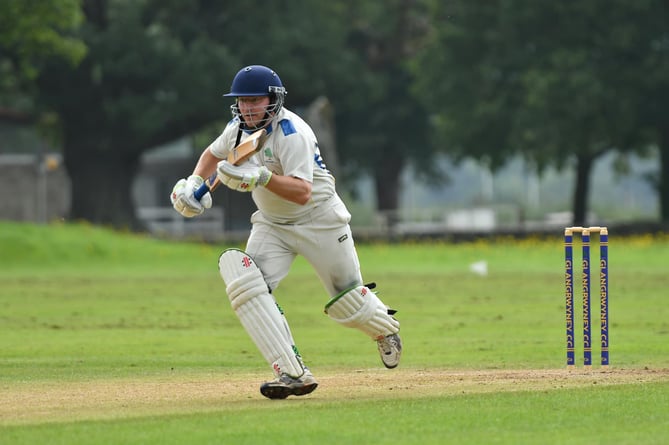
243 178
183 199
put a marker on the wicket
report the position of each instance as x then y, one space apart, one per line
603 293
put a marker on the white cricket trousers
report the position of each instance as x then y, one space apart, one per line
325 241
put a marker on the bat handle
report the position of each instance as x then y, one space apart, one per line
204 188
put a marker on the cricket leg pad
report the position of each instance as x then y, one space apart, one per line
258 312
359 307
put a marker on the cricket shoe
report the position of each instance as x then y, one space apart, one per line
390 348
286 385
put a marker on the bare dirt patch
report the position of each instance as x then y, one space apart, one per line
34 403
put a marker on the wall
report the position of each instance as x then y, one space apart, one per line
33 188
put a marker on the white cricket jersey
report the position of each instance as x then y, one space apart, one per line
291 149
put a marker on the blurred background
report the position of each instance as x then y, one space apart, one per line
437 117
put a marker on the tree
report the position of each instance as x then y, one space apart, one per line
648 62
557 82
31 32
142 84
584 89
155 71
381 127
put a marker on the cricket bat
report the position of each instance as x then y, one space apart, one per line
240 154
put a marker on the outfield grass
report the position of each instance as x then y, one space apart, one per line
117 338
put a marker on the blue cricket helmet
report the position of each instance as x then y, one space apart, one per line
258 80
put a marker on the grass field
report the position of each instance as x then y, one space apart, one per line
114 338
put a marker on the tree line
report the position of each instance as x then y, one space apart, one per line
559 83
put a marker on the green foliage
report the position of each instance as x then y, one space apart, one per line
538 78
407 80
32 30
156 70
382 128
137 338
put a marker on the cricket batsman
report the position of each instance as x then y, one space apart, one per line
298 213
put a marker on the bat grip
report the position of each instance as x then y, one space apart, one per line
204 188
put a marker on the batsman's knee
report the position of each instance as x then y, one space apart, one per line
359 307
243 279
258 312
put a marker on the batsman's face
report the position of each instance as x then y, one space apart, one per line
253 109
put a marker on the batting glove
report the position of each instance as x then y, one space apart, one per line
243 178
183 198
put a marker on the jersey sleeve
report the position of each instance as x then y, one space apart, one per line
225 142
297 151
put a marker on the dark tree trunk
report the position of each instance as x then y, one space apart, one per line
387 187
102 187
582 189
663 186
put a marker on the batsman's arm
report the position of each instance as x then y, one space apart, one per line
204 168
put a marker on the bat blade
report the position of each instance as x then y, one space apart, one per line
238 155
248 148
